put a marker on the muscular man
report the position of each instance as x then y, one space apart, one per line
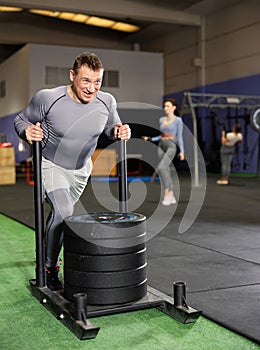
68 121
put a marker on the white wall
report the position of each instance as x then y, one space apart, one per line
179 49
232 48
232 51
141 73
15 72
232 42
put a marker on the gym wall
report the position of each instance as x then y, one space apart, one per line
226 47
221 57
140 81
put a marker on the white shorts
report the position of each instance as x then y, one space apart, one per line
55 177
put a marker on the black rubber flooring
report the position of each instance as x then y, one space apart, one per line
218 256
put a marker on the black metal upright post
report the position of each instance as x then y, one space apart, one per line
122 177
39 218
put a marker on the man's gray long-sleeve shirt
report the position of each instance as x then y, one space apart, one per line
71 129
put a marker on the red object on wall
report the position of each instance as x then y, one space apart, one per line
5 144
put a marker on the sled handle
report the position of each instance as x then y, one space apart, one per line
122 177
39 217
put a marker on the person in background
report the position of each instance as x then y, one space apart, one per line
68 120
228 141
171 128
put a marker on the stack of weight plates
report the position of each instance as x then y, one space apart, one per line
105 257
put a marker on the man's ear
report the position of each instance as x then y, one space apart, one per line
72 75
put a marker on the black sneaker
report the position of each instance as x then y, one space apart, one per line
53 278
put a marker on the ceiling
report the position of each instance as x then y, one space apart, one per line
155 17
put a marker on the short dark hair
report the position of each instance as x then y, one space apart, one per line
89 59
174 103
237 128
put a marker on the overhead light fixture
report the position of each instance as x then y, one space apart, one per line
100 22
66 15
10 9
89 20
125 27
74 17
45 13
79 17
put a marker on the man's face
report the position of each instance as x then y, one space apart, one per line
86 83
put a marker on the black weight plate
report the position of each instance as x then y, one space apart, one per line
104 262
78 245
88 228
97 232
111 218
255 119
112 279
109 296
120 242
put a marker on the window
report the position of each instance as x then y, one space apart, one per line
111 79
57 76
2 89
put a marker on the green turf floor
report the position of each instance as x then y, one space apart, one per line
25 324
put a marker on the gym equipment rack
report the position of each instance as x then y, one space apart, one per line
192 100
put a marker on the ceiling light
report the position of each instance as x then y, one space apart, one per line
66 15
46 13
100 22
89 20
78 17
125 27
10 9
